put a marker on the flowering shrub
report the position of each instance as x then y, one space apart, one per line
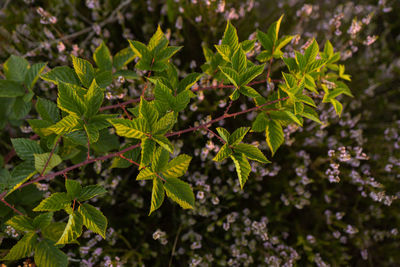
327 197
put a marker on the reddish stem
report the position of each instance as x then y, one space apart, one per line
11 206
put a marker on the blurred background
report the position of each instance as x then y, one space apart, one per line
330 197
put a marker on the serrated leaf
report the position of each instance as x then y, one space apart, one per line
21 173
177 167
230 37
301 61
180 192
238 135
43 220
123 57
54 202
230 74
47 110
25 148
283 41
10 88
224 51
187 82
146 174
248 91
158 40
311 52
47 255
15 68
103 78
242 166
93 219
224 152
148 112
259 123
163 125
250 74
89 192
164 142
23 248
166 53
251 152
69 101
160 159
41 160
309 113
61 74
146 154
239 60
136 128
223 133
102 57
72 230
247 45
33 73
338 106
92 133
157 195
93 98
84 70
274 135
68 124
266 42
21 223
73 187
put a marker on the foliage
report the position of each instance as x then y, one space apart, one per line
75 126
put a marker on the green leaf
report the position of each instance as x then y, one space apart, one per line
223 153
243 167
309 113
93 219
224 51
157 194
10 88
92 133
273 30
21 223
43 220
69 101
177 167
103 78
230 74
223 133
54 202
47 255
301 61
41 160
247 45
251 152
146 174
102 57
260 123
89 192
338 106
160 159
267 43
93 98
274 135
127 74
239 60
21 173
84 70
146 154
187 82
73 187
250 74
168 52
148 112
180 192
311 52
248 91
136 128
163 125
25 148
158 40
15 68
164 142
138 48
61 74
47 110
230 37
66 125
23 248
238 135
283 41
72 230
123 57
33 73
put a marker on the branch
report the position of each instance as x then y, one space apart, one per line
11 206
117 154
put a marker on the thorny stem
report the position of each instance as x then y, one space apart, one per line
117 154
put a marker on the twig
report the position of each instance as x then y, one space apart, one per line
117 154
51 154
216 135
11 206
174 246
